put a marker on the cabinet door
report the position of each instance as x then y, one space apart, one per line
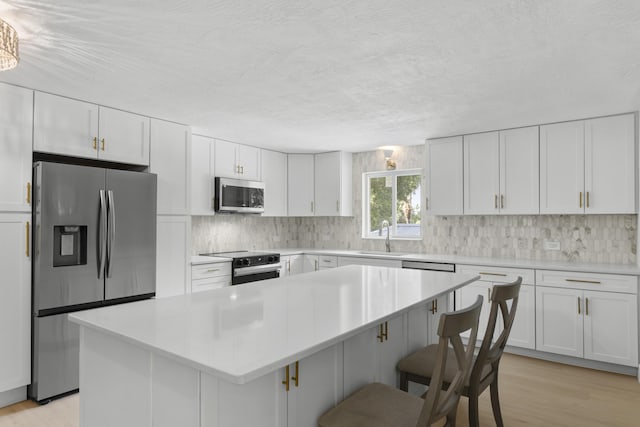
562 168
390 351
301 184
15 302
444 176
360 361
467 295
202 174
226 164
523 331
170 160
16 124
311 263
123 137
297 264
481 174
559 326
65 126
249 162
274 176
440 305
327 184
611 327
285 266
173 253
319 386
609 175
519 171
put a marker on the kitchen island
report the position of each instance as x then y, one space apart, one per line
272 353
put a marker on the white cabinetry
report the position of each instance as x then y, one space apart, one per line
311 263
444 176
274 176
523 331
588 315
202 174
80 129
205 277
170 161
292 265
588 166
15 301
327 261
501 172
333 183
237 161
301 184
172 262
16 123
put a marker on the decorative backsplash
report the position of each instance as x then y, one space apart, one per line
582 238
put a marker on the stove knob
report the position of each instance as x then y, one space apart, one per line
270 259
245 261
237 263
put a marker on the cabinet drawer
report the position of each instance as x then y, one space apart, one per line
205 271
498 274
328 261
588 281
212 283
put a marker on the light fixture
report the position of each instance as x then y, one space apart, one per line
9 57
391 164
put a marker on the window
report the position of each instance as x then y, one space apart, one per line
393 196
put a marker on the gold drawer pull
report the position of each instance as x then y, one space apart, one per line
95 143
594 282
213 270
495 201
581 199
102 141
587 199
493 274
29 192
380 333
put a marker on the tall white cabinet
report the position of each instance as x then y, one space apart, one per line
444 176
274 176
202 174
588 166
301 185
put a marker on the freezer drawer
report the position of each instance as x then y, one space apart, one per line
55 357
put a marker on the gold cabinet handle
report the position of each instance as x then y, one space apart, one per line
433 307
578 305
436 301
380 333
386 330
594 282
492 274
29 192
213 270
581 199
495 201
502 201
102 142
586 306
296 377
587 199
27 240
95 142
286 378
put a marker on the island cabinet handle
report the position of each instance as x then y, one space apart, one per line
492 274
386 331
380 333
95 142
28 192
296 377
594 282
436 301
102 141
286 378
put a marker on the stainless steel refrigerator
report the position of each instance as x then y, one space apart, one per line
94 244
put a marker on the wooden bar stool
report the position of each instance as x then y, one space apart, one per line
379 405
422 366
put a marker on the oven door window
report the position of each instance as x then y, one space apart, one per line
255 277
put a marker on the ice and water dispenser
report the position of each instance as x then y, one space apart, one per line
69 245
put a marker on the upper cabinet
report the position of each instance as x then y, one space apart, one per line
170 161
202 174
588 166
16 123
301 184
274 176
444 176
237 161
80 129
333 184
501 172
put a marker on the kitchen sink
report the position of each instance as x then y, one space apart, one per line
382 253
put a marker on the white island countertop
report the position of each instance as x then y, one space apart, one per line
240 333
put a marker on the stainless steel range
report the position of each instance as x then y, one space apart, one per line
248 266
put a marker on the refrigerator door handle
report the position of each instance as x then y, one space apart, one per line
111 229
103 231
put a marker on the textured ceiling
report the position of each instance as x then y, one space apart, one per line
335 74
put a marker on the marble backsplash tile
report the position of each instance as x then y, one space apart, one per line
582 238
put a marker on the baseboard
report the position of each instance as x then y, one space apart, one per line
10 397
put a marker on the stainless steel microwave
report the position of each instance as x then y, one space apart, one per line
238 195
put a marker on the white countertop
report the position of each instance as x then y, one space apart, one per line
630 269
240 333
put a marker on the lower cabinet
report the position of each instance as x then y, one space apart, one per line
573 319
205 277
173 247
15 301
310 263
292 264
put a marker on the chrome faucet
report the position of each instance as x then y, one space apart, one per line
387 245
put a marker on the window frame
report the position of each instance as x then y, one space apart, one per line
366 213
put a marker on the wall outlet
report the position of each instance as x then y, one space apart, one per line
550 245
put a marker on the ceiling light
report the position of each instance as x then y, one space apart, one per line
9 57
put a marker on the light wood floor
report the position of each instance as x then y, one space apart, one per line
532 393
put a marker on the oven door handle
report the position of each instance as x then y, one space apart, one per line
245 271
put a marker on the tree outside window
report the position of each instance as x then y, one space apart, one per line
394 196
